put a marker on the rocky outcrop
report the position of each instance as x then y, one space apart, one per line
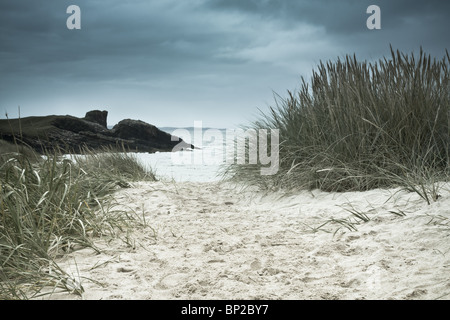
140 133
97 116
72 134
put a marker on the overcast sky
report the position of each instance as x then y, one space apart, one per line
172 62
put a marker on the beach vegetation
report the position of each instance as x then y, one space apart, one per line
52 205
359 125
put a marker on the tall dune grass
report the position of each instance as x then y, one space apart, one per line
360 125
50 207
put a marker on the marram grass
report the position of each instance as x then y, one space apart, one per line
52 206
359 125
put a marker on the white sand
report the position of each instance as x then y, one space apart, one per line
218 241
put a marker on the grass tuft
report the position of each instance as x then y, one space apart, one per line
52 205
358 126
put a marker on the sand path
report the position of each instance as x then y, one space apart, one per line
219 241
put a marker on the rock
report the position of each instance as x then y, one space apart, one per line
97 116
144 135
135 129
70 134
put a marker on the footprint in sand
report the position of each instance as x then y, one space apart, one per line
171 280
256 265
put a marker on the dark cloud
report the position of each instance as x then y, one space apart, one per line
334 16
216 59
345 16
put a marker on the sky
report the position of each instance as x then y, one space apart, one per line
173 62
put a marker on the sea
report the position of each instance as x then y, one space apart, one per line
204 163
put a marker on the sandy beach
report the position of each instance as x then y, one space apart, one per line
216 240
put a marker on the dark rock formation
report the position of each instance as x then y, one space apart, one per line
72 134
97 116
130 129
140 133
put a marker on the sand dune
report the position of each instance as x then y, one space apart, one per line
219 241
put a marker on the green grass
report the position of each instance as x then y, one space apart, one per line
358 126
52 206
